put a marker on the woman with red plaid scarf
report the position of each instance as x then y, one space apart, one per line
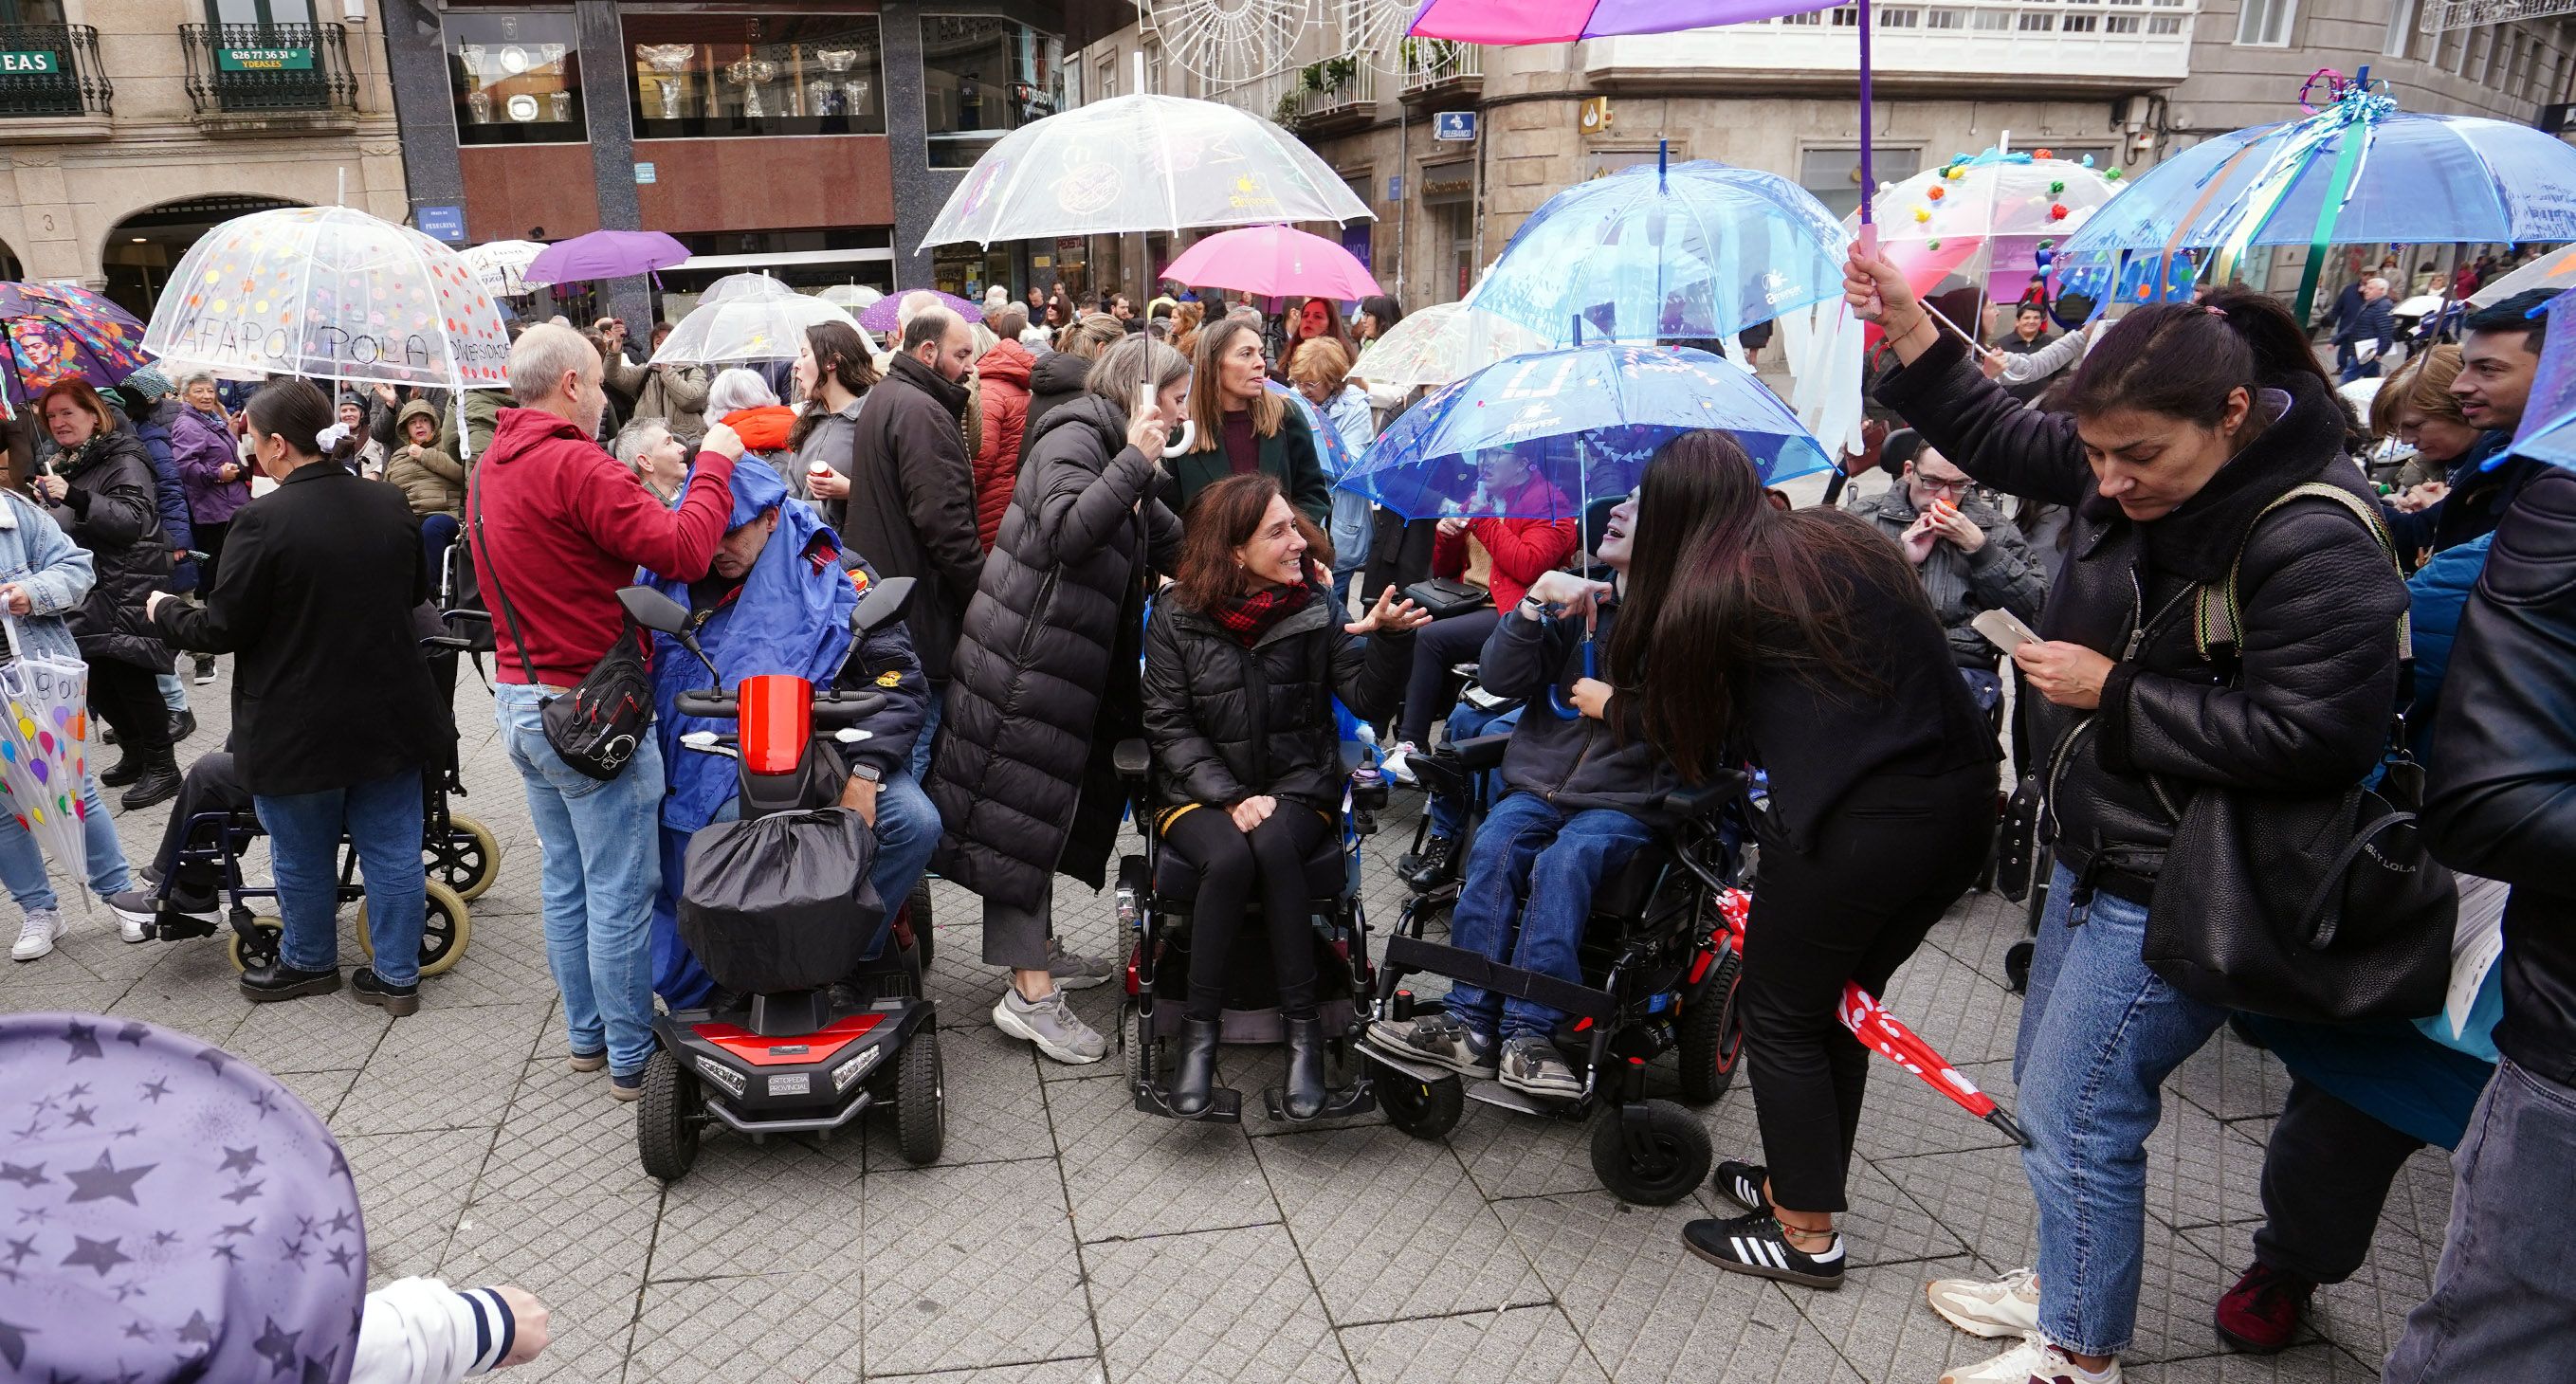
1242 659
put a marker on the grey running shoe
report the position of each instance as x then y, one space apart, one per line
1052 1025
1440 1039
1532 1064
1075 971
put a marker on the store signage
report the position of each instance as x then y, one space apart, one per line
14 63
1453 125
644 173
445 222
263 59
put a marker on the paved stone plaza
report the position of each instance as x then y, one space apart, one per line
1066 1238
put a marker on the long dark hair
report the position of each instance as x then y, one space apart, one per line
292 409
1721 583
1223 518
838 355
2182 360
1382 311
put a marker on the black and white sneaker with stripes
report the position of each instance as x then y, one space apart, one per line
1754 1243
1742 1183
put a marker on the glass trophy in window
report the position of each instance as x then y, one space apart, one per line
560 103
474 55
549 54
523 108
752 75
670 65
478 104
848 94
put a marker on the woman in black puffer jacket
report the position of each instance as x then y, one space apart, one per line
1242 660
100 488
2190 427
1058 377
1043 685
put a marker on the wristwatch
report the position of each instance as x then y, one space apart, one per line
870 772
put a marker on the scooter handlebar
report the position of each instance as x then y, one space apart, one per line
832 710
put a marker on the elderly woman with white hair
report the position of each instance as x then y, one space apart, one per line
744 402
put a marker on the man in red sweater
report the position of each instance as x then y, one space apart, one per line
557 527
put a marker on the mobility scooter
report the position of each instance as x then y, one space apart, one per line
805 1032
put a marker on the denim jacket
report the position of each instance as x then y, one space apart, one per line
54 572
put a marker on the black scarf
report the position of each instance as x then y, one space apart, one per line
951 394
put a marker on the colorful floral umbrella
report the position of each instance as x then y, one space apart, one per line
44 722
1274 262
329 293
1987 219
62 331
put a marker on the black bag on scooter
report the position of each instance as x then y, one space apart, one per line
781 902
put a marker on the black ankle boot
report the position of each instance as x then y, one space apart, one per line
1194 1067
127 768
159 783
1304 1098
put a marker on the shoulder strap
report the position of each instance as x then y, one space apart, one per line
2221 614
492 569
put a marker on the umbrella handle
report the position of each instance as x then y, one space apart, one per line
1557 705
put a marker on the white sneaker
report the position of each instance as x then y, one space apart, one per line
2034 1361
36 935
1052 1025
1393 765
2007 1306
130 925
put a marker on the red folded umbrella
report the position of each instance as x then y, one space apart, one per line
1870 1022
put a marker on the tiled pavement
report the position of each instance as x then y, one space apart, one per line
1065 1238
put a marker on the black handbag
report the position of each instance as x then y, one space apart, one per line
596 728
1444 597
2343 917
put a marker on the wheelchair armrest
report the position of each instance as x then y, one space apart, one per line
1131 758
1694 801
1483 752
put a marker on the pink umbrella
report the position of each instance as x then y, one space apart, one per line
1274 262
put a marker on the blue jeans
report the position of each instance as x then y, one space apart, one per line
600 878
437 534
2099 1035
1540 863
1448 818
174 693
382 819
2509 1255
931 712
22 862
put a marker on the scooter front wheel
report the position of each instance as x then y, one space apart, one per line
920 1100
666 1119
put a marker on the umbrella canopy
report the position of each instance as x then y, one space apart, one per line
2549 420
1690 251
1588 421
2357 171
746 324
44 724
604 255
502 265
1274 262
1984 219
1440 343
2555 270
851 296
880 315
1141 163
62 331
329 293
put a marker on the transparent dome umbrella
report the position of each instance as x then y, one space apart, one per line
1686 251
44 729
502 265
329 293
1141 163
855 297
746 323
1983 220
1440 343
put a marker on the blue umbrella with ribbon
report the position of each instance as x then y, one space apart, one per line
1585 421
1686 251
2548 431
2354 170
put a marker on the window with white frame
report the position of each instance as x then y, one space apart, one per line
1991 20
2401 28
2036 21
2120 24
2164 24
2079 23
1945 19
1900 19
2266 23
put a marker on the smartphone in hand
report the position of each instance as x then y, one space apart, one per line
2002 630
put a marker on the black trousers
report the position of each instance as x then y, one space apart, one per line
2326 1174
209 539
129 698
212 785
1231 864
1893 858
1437 646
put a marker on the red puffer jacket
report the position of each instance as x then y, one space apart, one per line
1522 548
1004 371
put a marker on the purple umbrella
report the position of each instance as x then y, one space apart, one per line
603 255
879 315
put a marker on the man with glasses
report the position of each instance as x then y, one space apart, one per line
1970 558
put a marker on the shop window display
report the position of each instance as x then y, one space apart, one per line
717 76
516 78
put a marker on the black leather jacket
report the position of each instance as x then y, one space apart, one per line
2320 599
1228 722
2502 795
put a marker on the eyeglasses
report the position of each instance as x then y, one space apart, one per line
1960 486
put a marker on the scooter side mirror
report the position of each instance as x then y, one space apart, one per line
886 602
653 610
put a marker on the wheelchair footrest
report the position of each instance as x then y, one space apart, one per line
1476 1088
1358 1098
1224 1106
1405 955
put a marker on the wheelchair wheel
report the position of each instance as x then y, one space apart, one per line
445 929
2017 966
1711 1042
919 905
258 949
1674 1154
1423 1109
666 1120
466 860
920 1100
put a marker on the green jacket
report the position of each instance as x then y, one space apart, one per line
482 414
1287 456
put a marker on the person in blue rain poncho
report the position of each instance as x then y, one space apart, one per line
778 599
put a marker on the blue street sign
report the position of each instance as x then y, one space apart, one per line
1394 187
442 222
1453 125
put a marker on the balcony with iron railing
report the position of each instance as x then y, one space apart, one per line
257 72
1438 66
51 72
1338 93
2027 45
